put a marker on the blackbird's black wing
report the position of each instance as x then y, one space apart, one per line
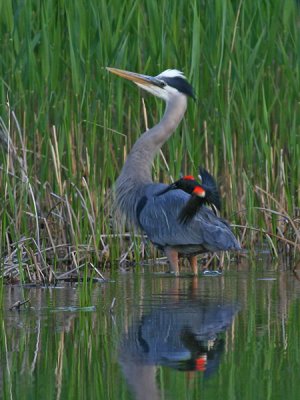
211 188
189 210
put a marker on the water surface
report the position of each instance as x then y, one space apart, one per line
234 336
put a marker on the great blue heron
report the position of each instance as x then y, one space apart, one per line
206 192
136 192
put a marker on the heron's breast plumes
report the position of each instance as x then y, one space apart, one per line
128 194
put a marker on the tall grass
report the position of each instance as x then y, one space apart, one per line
70 124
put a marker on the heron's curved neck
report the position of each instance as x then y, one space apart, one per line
139 162
136 172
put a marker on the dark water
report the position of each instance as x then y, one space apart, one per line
235 336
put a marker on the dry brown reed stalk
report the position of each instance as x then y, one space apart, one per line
70 272
97 271
268 234
39 277
209 261
284 213
14 161
92 217
124 257
56 161
25 178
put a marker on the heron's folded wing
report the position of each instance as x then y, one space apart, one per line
159 220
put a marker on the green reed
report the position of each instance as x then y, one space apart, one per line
71 123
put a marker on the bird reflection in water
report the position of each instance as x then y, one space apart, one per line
181 333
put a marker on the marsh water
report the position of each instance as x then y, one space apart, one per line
229 336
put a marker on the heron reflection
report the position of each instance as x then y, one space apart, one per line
186 335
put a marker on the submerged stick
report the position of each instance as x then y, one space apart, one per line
17 305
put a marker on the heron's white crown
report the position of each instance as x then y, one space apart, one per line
171 73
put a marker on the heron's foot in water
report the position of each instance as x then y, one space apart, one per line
173 259
193 264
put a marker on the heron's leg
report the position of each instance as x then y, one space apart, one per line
194 264
172 256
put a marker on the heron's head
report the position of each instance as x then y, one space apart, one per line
165 85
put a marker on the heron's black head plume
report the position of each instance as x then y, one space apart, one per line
177 80
181 85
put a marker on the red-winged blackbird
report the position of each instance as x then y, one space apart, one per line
202 193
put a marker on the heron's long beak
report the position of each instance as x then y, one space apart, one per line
139 79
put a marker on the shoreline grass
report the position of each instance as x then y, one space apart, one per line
67 126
